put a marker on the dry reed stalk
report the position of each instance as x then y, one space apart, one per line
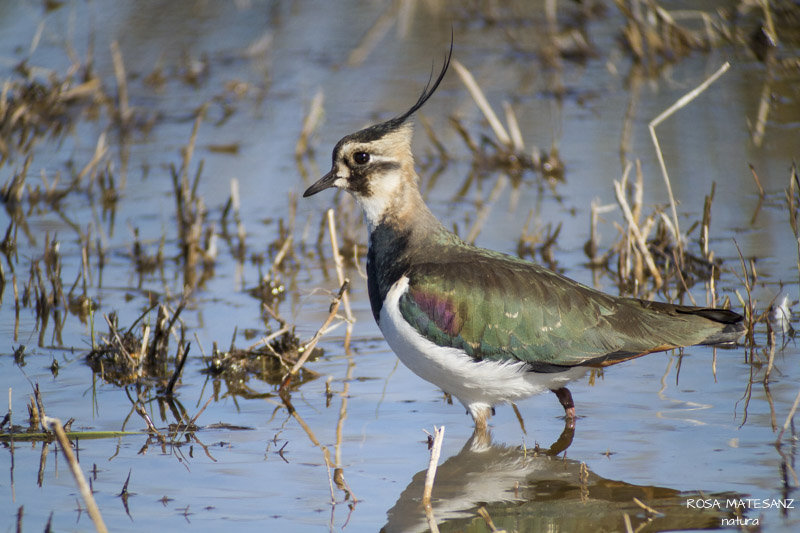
426 125
99 152
310 124
309 347
705 226
86 493
513 125
337 261
236 204
477 95
626 519
182 356
342 416
789 418
634 228
771 354
749 306
764 105
792 202
594 234
430 475
757 180
680 103
488 519
122 84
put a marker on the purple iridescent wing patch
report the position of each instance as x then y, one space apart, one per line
441 310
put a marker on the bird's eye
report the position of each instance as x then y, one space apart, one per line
361 158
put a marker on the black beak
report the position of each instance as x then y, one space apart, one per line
324 182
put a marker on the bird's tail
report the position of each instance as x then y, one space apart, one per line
733 326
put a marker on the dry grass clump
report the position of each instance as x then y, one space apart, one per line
507 152
654 36
648 250
269 360
30 109
140 352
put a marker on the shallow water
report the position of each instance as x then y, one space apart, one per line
666 429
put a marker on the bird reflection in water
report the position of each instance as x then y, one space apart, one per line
540 490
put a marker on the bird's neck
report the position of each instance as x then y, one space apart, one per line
403 233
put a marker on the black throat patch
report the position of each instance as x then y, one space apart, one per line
387 262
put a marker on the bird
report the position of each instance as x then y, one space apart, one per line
485 327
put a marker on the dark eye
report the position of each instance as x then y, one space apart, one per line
361 158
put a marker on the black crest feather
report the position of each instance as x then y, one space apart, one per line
429 89
379 130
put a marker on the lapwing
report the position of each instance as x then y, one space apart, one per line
486 327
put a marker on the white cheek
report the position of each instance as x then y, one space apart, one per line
343 170
382 193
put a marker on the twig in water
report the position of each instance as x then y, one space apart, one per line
629 218
309 347
644 506
488 519
436 450
86 493
310 124
193 421
758 181
477 95
122 85
337 261
788 419
178 369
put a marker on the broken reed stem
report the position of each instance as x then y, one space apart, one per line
640 241
682 102
337 261
318 335
761 192
771 355
644 506
86 493
310 124
436 450
477 95
178 368
788 419
122 84
486 518
764 104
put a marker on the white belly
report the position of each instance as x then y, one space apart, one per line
477 384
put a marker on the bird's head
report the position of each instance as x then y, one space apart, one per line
372 164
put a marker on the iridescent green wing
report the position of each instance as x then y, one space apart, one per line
500 308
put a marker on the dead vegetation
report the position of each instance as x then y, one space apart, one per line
139 353
148 358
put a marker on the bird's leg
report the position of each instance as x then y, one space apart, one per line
565 397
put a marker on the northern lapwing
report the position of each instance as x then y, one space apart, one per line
483 326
